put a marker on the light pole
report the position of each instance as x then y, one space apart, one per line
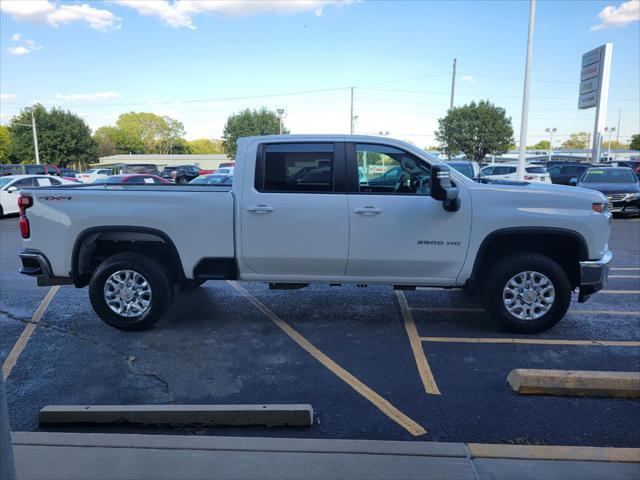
281 115
551 131
609 130
35 133
525 94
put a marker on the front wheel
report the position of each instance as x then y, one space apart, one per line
527 292
130 291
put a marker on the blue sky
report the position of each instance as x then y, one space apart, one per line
192 61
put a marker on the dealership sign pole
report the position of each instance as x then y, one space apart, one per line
594 90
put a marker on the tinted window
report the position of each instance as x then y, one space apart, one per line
487 170
535 170
303 167
25 182
573 169
555 170
391 170
135 180
466 170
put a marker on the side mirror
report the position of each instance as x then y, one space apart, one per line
442 189
573 182
12 189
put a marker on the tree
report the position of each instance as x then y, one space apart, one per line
63 137
141 132
635 142
475 130
541 145
577 141
615 145
5 144
202 146
247 123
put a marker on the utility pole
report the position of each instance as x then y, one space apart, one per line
351 116
453 83
35 135
618 130
525 96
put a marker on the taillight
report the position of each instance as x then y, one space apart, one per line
24 202
529 177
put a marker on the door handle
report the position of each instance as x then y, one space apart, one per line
368 210
260 209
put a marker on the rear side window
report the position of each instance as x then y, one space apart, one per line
536 170
296 167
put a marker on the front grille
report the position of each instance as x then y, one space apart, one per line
616 197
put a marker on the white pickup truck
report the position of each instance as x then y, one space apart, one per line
322 208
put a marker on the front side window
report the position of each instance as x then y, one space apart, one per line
24 183
291 167
391 170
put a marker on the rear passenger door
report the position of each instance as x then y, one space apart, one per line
294 219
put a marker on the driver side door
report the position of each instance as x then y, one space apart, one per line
397 231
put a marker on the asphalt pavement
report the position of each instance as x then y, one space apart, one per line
428 365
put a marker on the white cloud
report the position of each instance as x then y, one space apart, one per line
56 14
88 96
7 96
180 13
627 12
16 36
18 50
468 78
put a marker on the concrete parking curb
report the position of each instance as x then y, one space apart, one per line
575 383
210 415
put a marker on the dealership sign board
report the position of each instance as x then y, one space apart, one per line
594 75
594 89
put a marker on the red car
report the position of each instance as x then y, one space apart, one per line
133 179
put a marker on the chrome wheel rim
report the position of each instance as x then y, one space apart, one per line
528 295
127 293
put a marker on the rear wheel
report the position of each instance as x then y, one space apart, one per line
527 292
130 291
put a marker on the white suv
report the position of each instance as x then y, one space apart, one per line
509 171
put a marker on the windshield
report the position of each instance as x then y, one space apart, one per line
212 180
536 170
608 176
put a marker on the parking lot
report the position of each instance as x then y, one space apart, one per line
374 363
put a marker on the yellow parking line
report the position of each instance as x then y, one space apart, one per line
621 292
624 276
577 312
533 341
387 408
22 341
426 375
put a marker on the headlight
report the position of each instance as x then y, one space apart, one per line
600 207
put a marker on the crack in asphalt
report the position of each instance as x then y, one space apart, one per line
130 359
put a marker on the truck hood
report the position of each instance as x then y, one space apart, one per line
544 193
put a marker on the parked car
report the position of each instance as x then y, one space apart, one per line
10 186
28 169
632 164
620 185
93 174
468 168
225 171
562 174
524 247
132 179
509 171
213 179
181 173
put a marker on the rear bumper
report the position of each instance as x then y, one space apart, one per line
36 264
593 276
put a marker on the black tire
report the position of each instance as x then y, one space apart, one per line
190 284
497 277
158 278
